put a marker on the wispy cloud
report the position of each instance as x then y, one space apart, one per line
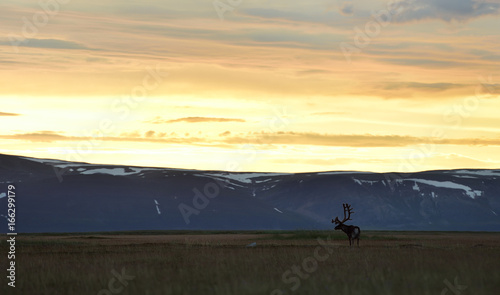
265 138
329 113
346 8
428 87
311 138
447 10
48 43
40 136
8 114
196 120
405 89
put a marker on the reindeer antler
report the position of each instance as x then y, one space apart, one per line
348 210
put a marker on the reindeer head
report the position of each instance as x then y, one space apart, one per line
347 211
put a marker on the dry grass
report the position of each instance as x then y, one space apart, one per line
209 263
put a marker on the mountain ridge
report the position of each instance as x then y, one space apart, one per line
62 196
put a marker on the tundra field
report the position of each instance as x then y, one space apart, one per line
255 262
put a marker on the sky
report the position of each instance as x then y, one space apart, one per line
253 85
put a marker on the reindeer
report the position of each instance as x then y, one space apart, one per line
353 232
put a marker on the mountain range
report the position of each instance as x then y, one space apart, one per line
62 196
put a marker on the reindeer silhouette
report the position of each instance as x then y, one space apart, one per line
353 232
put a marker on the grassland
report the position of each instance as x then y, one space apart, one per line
294 262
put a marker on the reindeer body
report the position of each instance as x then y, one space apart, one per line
353 232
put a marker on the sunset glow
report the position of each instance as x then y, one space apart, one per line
269 86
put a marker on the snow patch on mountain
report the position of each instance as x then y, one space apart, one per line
68 165
445 184
263 180
157 208
465 176
474 194
112 171
361 182
244 177
343 172
477 172
44 161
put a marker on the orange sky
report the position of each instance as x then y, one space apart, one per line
262 86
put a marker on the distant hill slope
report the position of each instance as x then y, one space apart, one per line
59 196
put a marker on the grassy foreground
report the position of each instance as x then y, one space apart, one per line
154 263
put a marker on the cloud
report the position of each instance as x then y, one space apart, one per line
425 62
346 8
40 136
135 136
311 138
312 72
265 138
329 162
352 140
8 114
458 161
329 113
492 89
422 90
196 120
48 43
446 10
428 87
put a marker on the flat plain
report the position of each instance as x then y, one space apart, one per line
255 262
